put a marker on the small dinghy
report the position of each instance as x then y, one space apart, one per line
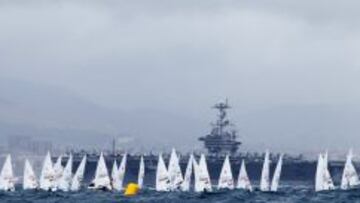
30 181
243 179
202 177
66 178
119 174
58 168
277 174
350 178
176 178
265 174
162 176
47 177
226 180
7 179
102 179
323 179
328 182
114 172
141 173
185 186
79 176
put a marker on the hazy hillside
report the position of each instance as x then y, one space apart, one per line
61 116
69 120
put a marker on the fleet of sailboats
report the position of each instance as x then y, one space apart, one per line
56 177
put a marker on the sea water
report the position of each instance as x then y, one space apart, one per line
288 192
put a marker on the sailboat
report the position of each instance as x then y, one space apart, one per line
114 171
226 180
119 174
58 168
29 182
79 175
185 186
243 178
66 178
162 176
7 179
202 177
102 179
174 169
276 176
323 179
141 173
328 182
319 185
350 178
265 174
47 177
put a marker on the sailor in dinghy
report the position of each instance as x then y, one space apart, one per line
102 179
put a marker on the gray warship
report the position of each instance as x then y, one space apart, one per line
222 139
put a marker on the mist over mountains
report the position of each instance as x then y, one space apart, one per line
66 119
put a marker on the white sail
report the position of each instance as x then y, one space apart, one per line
58 168
162 176
66 178
319 174
102 179
202 178
141 173
47 177
79 175
114 170
174 169
350 177
185 186
30 181
226 180
265 174
328 182
243 179
120 174
277 174
7 179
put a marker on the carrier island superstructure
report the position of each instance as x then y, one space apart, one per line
222 138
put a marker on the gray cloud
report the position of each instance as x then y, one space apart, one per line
181 56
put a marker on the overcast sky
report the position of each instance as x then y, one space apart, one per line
182 56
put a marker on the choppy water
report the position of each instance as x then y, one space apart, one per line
290 192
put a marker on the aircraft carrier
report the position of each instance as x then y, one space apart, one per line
221 140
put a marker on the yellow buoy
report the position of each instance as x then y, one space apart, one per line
131 189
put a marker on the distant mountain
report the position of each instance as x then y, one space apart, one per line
66 118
